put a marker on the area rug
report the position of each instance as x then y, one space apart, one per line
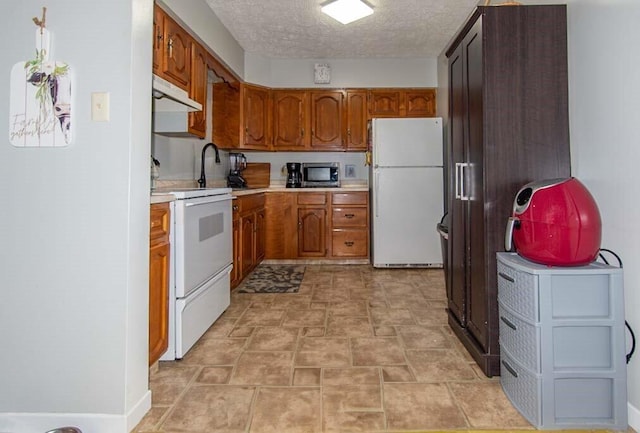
273 279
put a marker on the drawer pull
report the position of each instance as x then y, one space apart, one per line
506 277
349 215
508 323
349 243
510 369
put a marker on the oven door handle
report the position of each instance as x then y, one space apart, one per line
206 200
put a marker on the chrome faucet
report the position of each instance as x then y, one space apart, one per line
203 180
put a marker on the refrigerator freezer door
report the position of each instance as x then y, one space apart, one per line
407 204
407 142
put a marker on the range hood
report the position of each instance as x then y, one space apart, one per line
168 97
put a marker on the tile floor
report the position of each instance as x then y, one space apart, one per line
356 350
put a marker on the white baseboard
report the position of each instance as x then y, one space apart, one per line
633 416
87 422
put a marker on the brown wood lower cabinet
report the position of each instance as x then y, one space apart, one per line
320 225
158 281
350 224
248 235
312 224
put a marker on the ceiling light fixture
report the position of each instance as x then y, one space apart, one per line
347 11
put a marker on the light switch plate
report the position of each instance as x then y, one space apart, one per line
349 171
100 106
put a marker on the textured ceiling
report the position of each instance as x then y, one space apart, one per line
297 28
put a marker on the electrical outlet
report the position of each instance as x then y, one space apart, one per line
350 171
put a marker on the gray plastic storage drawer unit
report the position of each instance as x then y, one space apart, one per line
562 343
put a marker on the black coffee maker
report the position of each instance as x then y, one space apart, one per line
294 175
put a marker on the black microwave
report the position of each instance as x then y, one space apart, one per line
320 174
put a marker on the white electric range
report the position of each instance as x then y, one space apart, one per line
201 261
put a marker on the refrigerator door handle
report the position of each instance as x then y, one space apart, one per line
376 192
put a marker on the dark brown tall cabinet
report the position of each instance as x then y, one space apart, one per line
508 125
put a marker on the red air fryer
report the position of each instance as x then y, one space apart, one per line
555 222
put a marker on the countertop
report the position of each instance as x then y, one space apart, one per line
161 198
164 198
281 188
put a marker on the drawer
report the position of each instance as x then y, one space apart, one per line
312 198
523 388
520 339
518 291
349 243
354 198
349 217
159 221
247 203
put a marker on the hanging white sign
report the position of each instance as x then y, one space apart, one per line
40 98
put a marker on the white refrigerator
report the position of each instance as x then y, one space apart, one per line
407 192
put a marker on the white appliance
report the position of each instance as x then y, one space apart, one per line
171 98
406 192
201 261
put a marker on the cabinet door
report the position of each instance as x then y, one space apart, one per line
236 272
260 232
176 60
198 90
356 120
456 286
225 117
289 120
384 103
255 112
247 224
312 224
158 45
420 103
326 120
281 222
158 301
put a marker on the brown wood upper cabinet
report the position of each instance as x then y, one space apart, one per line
326 120
356 120
255 115
198 90
308 120
171 50
402 102
290 108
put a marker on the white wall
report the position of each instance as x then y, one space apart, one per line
604 91
417 72
180 157
279 159
74 229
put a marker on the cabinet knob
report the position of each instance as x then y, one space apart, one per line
349 215
235 208
302 132
349 243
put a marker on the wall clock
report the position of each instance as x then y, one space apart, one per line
322 73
